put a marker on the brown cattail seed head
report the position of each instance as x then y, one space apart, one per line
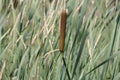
63 29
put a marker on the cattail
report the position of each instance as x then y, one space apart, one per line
63 30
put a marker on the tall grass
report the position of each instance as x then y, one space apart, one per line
29 40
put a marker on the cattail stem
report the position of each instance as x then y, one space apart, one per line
63 30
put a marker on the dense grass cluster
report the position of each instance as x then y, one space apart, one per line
29 40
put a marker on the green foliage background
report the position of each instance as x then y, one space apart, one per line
29 40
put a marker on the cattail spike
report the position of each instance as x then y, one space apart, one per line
63 29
